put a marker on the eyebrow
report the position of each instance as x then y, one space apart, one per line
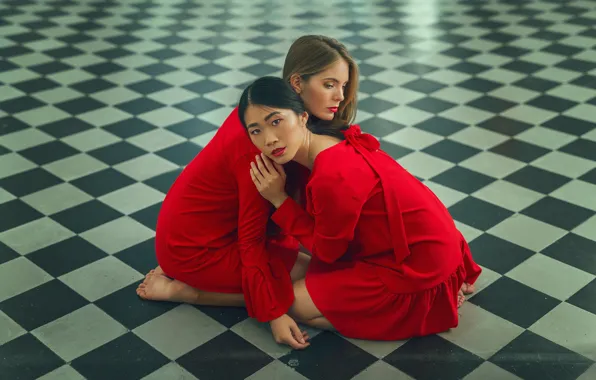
266 118
333 79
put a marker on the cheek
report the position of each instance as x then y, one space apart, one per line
257 141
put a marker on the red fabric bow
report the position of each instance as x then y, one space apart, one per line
355 137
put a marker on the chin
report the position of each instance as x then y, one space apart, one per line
325 115
281 160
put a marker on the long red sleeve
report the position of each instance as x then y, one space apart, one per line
266 284
328 231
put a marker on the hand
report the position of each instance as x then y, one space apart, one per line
270 179
286 331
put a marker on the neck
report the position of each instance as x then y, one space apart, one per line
304 156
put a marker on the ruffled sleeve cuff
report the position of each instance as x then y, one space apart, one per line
268 290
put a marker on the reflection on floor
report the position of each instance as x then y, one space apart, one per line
492 103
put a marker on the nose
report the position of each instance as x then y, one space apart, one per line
270 138
339 94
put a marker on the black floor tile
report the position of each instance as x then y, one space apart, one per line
163 182
441 126
29 182
139 106
126 357
80 106
585 298
542 359
49 152
27 358
515 302
9 124
462 179
7 253
581 148
558 213
589 176
540 180
552 103
42 304
479 214
571 125
116 153
126 307
505 126
17 213
180 154
129 127
103 182
574 250
498 254
432 105
394 150
433 357
451 151
491 104
211 361
148 216
379 127
330 356
86 216
65 127
520 150
198 106
66 256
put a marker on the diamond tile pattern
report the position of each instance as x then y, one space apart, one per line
102 103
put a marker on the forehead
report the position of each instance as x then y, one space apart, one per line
340 70
258 113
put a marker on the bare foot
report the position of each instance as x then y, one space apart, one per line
157 270
461 298
160 288
468 288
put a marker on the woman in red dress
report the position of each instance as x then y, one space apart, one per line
211 240
388 262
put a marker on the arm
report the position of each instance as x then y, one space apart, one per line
266 285
337 204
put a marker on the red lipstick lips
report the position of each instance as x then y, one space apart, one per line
278 152
332 109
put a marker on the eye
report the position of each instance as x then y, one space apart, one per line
276 122
254 131
328 86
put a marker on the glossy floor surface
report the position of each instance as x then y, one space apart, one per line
491 103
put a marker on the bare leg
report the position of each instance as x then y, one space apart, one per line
304 310
300 267
158 287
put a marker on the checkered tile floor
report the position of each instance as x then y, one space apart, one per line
491 103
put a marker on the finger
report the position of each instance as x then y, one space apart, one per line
297 333
261 166
268 163
256 171
255 180
292 342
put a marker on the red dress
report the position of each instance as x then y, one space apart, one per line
388 260
211 229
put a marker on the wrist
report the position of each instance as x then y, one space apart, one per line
278 201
